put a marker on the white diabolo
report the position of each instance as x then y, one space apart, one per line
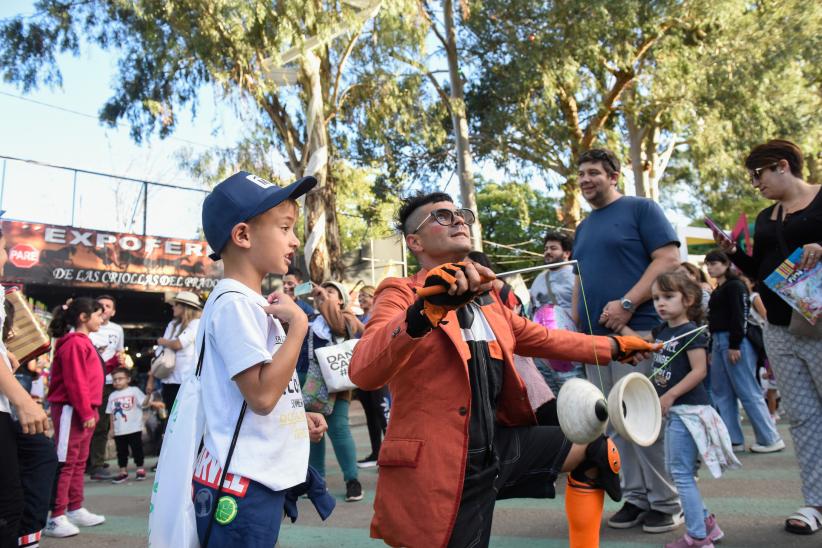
633 407
582 411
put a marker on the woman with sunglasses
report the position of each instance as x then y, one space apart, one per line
793 221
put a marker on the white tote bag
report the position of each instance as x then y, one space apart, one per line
333 361
172 522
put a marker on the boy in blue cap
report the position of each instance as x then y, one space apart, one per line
248 362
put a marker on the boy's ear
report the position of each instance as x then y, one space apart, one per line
241 235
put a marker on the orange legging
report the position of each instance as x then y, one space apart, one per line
583 506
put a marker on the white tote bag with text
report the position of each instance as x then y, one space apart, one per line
172 522
333 361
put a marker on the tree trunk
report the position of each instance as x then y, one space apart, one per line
321 231
635 152
569 215
465 169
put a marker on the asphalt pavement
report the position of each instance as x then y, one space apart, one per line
751 504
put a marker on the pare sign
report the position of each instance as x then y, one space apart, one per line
24 255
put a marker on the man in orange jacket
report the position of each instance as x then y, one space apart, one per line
462 433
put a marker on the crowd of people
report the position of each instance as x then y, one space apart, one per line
446 364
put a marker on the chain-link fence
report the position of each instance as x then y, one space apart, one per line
44 193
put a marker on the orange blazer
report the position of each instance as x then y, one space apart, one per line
422 459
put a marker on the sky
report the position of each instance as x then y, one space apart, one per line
59 126
31 130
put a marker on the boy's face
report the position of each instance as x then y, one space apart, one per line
108 309
4 256
119 381
273 240
290 281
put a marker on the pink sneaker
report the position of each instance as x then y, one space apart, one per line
688 542
714 532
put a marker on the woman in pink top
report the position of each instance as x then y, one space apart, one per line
75 394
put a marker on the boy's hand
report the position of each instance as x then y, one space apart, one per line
316 426
90 424
32 417
283 307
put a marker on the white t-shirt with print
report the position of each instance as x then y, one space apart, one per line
108 340
271 449
5 406
126 406
184 359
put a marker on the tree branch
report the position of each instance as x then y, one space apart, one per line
428 15
430 76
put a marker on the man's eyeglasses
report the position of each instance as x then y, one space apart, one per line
757 173
446 217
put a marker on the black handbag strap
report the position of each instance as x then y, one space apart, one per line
233 438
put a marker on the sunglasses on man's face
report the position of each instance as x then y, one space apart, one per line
757 173
446 217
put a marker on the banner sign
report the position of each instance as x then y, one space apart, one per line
69 256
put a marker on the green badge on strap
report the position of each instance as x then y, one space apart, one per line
226 510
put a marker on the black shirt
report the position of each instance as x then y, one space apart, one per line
675 371
485 378
799 228
728 311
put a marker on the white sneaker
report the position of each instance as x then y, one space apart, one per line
60 527
84 518
778 445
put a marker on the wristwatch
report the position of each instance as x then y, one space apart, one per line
627 304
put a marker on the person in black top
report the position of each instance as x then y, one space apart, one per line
733 359
795 220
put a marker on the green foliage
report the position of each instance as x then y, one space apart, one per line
512 214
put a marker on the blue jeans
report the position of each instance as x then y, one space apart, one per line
732 381
255 522
681 456
339 431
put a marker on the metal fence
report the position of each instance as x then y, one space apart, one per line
46 193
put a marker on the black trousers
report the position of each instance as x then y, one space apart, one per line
169 395
38 468
11 488
372 404
126 441
526 464
97 451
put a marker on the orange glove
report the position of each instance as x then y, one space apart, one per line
630 345
436 300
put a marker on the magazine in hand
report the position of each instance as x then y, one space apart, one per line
802 289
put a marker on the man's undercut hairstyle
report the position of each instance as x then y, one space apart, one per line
412 203
107 297
566 241
610 162
772 152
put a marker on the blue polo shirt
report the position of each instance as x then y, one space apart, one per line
613 246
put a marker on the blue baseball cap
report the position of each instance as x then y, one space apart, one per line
238 199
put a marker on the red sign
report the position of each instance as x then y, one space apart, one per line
66 255
24 255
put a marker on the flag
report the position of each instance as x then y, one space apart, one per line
741 235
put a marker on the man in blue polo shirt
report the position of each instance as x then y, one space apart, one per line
622 246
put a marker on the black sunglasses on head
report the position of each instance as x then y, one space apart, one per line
600 155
